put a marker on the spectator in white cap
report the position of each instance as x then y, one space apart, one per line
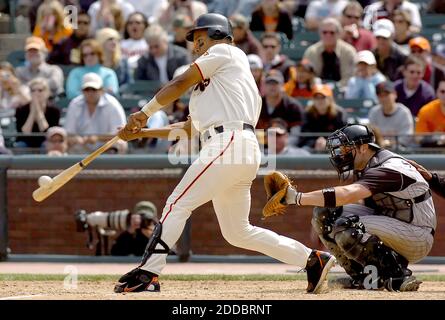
388 55
93 117
257 69
362 85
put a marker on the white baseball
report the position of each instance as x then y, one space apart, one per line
44 181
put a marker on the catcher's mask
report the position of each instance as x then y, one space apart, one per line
342 146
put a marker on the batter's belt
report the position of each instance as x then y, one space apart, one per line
207 134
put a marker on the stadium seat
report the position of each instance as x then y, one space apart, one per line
16 58
356 108
62 103
135 103
304 39
66 69
140 88
434 35
295 54
432 20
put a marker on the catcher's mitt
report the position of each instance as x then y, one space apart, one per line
276 185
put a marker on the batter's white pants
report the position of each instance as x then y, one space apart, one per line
223 173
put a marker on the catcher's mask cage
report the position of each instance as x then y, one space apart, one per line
342 146
218 27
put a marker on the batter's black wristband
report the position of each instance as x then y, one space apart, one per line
329 198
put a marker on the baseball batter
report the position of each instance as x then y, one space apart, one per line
393 227
224 107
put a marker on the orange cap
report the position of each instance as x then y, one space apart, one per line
323 89
35 43
420 42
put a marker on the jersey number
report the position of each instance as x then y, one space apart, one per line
202 85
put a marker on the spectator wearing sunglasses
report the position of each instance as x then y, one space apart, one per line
93 116
92 58
353 33
67 52
333 59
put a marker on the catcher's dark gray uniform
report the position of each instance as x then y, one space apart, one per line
401 210
394 226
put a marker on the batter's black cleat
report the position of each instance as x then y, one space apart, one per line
317 267
138 280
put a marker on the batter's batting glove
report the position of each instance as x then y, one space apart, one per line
276 185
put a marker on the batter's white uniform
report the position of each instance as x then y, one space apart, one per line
227 163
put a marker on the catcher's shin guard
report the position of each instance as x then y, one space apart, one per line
151 245
322 221
350 236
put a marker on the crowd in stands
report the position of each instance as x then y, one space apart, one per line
318 65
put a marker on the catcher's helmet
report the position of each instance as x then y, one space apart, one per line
218 26
341 145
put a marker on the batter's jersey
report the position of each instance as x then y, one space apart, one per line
228 91
396 177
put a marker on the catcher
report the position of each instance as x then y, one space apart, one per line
394 226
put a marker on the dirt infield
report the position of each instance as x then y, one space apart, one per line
195 281
207 290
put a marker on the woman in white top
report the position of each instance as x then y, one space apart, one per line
133 45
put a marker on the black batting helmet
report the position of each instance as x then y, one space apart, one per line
342 142
218 26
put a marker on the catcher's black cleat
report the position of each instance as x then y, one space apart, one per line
318 265
346 282
407 283
138 280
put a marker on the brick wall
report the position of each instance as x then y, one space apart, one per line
49 228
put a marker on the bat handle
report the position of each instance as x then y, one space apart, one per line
86 161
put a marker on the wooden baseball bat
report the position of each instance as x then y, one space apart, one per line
66 175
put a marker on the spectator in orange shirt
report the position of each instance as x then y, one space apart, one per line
50 24
302 78
431 118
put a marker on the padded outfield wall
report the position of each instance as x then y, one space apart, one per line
118 182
